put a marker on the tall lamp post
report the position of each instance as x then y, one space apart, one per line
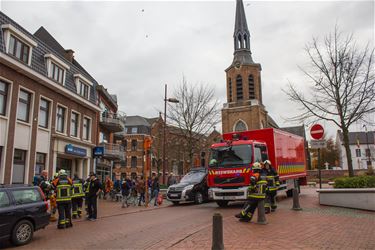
369 164
173 100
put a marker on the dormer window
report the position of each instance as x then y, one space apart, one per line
56 68
19 49
83 86
18 44
84 90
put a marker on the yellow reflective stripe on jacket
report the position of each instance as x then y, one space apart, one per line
68 195
80 191
257 196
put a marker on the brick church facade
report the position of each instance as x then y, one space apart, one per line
244 109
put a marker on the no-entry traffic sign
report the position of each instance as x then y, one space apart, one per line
317 131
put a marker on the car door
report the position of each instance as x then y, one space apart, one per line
6 214
27 202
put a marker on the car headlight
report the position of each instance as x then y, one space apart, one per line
188 187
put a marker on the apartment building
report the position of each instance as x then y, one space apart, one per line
111 121
48 106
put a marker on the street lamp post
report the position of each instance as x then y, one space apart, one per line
173 100
369 165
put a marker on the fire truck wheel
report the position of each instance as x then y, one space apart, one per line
198 198
222 203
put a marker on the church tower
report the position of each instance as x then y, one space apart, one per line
244 109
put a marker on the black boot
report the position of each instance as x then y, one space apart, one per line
238 215
267 210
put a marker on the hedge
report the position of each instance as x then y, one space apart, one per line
355 182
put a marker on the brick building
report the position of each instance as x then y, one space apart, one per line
48 111
111 121
137 128
244 109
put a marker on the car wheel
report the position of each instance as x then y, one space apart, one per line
176 202
198 198
222 203
22 232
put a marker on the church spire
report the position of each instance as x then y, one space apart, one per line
241 36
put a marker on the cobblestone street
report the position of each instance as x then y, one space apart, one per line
189 227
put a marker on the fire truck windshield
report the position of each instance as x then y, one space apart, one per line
233 156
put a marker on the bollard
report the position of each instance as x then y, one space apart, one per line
261 213
217 232
296 205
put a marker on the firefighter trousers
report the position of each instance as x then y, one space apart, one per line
249 208
270 202
65 218
77 207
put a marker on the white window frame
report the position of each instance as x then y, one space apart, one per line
9 96
31 107
78 78
83 134
50 58
78 126
50 113
65 119
11 30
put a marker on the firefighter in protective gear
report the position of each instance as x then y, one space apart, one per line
53 199
273 184
63 188
77 197
256 193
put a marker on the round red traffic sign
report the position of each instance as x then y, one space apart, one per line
317 131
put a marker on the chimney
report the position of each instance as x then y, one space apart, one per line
69 55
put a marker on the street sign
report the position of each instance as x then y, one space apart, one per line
317 131
318 144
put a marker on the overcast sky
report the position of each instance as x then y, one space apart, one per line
134 48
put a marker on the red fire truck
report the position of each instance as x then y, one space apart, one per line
231 160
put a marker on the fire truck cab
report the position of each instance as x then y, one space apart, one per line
230 165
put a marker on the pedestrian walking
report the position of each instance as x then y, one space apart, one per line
125 191
155 190
141 190
108 187
95 187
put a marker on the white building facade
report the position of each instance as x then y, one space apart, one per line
362 149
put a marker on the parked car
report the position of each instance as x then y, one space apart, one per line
192 187
23 210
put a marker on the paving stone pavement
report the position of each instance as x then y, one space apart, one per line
315 227
188 226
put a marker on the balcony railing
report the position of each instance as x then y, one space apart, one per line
115 122
113 151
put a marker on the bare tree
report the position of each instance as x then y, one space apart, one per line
195 115
343 84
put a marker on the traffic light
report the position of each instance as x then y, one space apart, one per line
147 144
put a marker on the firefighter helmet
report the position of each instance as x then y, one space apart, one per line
62 172
267 162
256 165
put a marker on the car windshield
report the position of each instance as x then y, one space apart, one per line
232 156
193 177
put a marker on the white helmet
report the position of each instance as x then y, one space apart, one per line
62 172
267 162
